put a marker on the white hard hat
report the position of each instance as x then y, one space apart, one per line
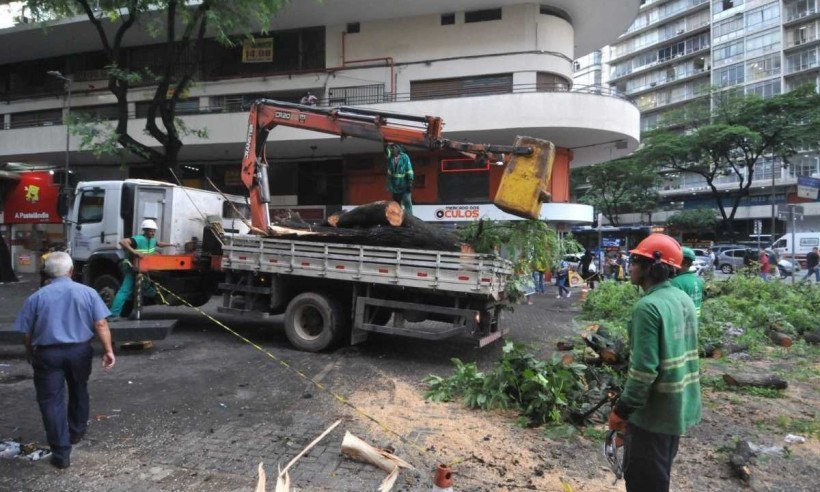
149 224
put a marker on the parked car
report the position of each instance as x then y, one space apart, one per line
732 259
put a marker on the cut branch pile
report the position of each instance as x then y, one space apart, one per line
381 223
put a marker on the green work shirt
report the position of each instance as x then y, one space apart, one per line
142 244
662 390
690 283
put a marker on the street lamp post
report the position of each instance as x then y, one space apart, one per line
66 184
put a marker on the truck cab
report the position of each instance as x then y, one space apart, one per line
104 212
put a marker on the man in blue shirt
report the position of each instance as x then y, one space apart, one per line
58 322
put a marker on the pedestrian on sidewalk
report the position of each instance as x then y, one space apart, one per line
765 265
812 265
661 396
561 279
58 322
587 268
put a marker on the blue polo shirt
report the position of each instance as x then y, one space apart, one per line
63 311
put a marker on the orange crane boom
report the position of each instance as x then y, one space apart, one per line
381 126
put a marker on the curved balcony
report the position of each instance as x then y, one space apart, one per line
596 122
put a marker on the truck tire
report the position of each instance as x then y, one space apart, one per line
314 322
107 287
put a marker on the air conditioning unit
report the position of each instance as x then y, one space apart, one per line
653 84
680 31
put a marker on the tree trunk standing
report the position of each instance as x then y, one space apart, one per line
6 271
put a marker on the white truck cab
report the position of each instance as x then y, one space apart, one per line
104 212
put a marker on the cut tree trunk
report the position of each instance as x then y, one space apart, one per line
812 337
780 339
756 380
368 215
716 351
741 460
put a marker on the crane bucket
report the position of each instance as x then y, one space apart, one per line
526 180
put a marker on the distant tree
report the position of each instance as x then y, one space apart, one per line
181 28
618 187
742 132
694 221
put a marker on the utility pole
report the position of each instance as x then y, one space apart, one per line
774 221
792 212
66 185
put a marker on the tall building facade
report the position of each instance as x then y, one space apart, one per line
491 69
676 51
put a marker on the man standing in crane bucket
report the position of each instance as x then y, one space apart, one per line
400 176
139 246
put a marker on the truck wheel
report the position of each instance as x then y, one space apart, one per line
107 287
314 322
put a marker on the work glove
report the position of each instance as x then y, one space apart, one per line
618 424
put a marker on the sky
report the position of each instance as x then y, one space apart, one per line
7 13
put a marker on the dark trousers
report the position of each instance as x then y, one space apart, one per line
648 459
55 367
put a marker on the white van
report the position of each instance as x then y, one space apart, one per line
805 241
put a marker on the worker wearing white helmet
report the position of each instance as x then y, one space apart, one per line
139 246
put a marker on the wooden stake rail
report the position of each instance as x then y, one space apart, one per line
461 272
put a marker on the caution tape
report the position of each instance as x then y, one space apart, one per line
341 399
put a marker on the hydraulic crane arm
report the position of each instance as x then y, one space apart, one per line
387 127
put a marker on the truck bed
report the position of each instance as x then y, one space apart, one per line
469 273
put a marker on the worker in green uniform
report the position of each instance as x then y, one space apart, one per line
689 282
661 396
138 246
400 176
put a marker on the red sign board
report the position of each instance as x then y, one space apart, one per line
33 200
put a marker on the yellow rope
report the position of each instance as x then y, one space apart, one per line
299 373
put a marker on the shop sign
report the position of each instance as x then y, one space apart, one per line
258 50
808 187
33 200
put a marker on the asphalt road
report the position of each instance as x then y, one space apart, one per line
202 408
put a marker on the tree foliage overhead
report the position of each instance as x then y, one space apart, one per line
694 221
741 133
616 187
180 28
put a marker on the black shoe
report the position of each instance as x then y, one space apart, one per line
77 438
60 464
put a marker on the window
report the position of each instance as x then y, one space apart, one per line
461 87
763 43
353 28
765 89
727 28
801 61
761 68
809 242
727 53
719 6
91 206
448 19
763 16
731 75
482 15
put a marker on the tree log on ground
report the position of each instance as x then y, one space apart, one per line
741 460
384 213
756 380
718 350
812 337
779 338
